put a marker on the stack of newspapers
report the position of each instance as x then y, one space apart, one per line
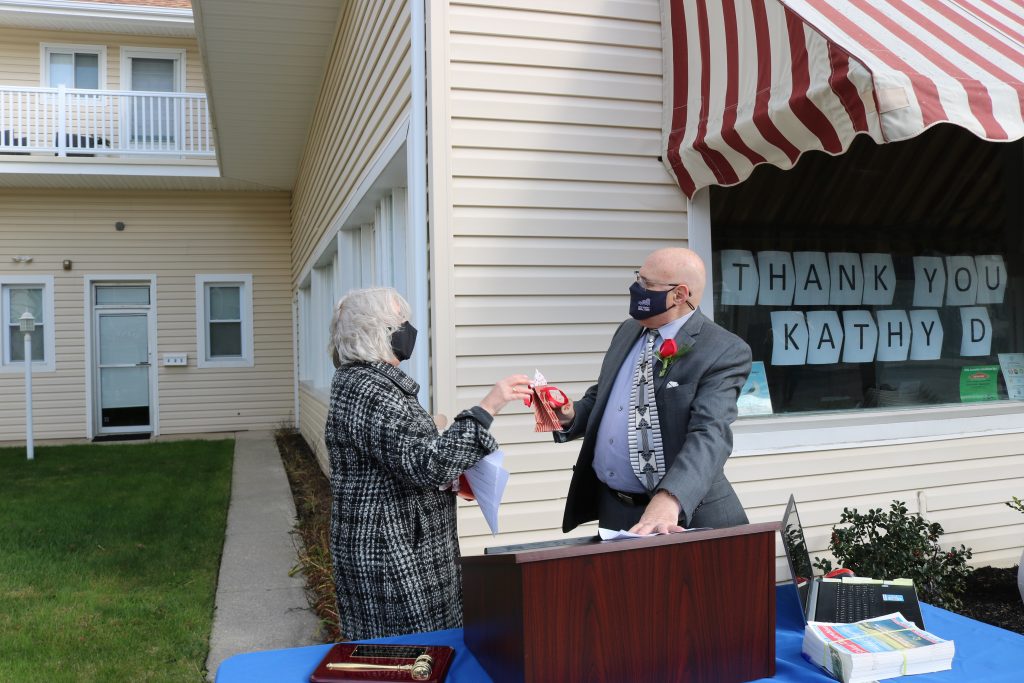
875 649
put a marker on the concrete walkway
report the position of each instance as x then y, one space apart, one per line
259 607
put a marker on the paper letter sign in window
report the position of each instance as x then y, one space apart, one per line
812 278
871 279
825 337
976 338
961 281
777 278
789 330
739 278
224 317
929 281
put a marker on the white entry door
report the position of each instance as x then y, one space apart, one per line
122 356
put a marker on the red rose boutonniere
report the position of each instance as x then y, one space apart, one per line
668 353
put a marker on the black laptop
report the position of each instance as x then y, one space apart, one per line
837 601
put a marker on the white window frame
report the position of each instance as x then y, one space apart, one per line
323 296
173 53
49 364
244 282
46 49
305 349
793 433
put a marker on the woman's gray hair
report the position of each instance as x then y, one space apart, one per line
363 322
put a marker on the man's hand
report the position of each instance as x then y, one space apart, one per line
661 515
566 414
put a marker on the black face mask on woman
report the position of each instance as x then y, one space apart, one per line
403 341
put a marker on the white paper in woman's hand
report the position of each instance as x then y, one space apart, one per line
488 479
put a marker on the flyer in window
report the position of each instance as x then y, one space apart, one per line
1012 365
979 383
754 398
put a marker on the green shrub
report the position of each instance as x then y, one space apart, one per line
898 544
1016 504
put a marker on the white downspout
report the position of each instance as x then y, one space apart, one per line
417 164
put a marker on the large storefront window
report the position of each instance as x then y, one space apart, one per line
891 276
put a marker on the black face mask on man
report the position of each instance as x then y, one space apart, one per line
645 303
403 341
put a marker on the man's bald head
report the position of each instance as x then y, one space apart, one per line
675 265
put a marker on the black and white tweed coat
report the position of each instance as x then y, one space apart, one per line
393 532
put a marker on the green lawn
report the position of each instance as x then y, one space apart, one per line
108 560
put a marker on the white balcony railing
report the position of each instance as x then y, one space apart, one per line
67 122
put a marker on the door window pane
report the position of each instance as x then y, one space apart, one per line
122 296
124 339
124 387
225 340
154 118
153 75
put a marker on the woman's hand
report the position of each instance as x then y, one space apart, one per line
512 388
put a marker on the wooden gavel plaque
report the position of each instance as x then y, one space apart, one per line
357 662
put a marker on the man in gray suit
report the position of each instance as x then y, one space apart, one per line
656 426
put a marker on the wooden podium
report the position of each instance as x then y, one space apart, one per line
696 606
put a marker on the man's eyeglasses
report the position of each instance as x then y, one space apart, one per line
647 284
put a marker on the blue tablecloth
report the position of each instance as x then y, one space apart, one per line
983 653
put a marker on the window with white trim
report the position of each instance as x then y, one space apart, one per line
874 281
74 66
33 295
224 335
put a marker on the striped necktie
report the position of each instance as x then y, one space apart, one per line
645 450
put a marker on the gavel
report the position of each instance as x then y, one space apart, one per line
419 670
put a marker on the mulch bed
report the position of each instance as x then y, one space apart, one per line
992 597
312 493
991 594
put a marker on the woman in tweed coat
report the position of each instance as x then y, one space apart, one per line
393 536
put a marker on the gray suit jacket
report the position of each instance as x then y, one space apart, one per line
696 406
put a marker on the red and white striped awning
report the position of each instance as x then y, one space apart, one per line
751 82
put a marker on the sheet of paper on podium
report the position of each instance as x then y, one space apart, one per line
610 535
488 479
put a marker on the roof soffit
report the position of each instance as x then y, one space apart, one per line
264 62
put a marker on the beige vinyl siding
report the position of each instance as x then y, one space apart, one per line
555 196
175 236
312 418
364 98
20 55
962 484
